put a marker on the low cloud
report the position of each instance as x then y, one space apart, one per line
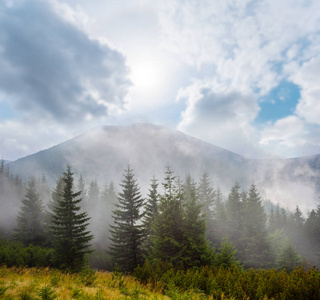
51 69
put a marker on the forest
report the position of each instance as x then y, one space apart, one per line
183 235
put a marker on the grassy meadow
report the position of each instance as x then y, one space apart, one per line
45 283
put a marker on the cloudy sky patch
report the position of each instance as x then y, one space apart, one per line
239 74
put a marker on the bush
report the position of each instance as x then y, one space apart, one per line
15 254
233 282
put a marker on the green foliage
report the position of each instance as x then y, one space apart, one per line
87 276
30 221
256 247
127 233
207 199
225 256
26 295
69 228
231 282
288 258
16 254
47 293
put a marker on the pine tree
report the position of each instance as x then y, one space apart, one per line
127 233
94 211
226 255
234 208
30 221
289 258
56 197
167 243
69 228
207 199
151 213
311 231
196 251
220 220
257 250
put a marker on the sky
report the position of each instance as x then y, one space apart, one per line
240 74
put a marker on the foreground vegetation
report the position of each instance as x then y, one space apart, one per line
160 281
45 283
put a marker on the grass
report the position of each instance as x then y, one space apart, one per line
32 283
50 284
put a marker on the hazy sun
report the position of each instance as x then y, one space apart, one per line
147 75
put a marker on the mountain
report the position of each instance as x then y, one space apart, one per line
104 153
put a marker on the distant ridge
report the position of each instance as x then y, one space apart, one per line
104 152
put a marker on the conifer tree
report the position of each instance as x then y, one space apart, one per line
127 233
30 221
56 196
234 209
257 250
220 217
69 227
226 255
167 242
151 213
207 199
289 258
196 251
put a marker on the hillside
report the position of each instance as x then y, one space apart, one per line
103 153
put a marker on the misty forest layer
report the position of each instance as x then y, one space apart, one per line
181 221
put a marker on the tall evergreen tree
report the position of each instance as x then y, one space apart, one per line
207 199
167 243
151 213
196 251
56 197
257 250
69 227
220 220
30 221
127 233
234 209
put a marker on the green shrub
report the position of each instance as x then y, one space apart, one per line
232 282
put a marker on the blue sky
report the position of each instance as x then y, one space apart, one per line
239 74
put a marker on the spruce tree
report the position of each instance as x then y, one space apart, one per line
30 221
220 220
207 199
289 258
234 208
167 243
151 213
71 237
257 250
127 233
196 251
56 196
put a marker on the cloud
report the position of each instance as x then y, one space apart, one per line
308 79
250 47
291 136
224 119
51 69
246 42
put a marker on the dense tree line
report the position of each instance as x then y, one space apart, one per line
181 221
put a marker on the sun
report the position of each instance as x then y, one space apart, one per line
147 74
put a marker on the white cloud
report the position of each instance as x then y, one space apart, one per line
250 46
223 119
292 137
242 39
308 79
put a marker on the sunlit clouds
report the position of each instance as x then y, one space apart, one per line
207 68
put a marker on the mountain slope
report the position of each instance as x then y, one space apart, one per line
104 153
